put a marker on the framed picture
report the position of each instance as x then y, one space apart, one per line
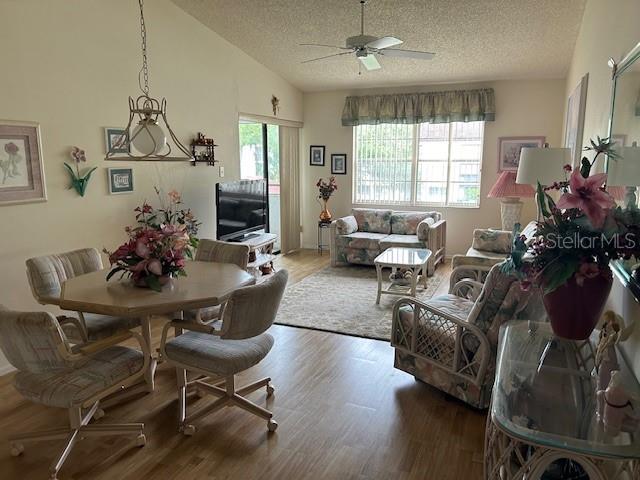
120 180
509 151
316 155
21 171
574 122
116 139
338 163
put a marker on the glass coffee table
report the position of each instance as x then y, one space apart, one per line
543 422
401 258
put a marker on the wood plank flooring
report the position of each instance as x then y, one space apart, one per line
343 411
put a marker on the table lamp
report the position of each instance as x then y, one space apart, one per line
510 192
625 172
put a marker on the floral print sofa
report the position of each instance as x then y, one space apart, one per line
367 232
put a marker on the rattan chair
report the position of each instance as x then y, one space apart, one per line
46 275
54 373
220 252
220 354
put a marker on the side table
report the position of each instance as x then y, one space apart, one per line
321 227
542 422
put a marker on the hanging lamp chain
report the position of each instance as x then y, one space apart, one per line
144 71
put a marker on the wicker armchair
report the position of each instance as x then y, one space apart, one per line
450 341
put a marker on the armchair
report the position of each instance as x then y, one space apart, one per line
54 373
46 275
450 340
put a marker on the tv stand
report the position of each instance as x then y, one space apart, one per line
260 252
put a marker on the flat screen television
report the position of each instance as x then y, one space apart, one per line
241 208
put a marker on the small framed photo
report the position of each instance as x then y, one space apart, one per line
120 180
509 151
316 155
116 140
338 163
21 171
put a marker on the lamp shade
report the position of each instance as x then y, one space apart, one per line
542 165
506 186
625 170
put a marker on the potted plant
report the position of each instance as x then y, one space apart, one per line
325 190
574 243
158 246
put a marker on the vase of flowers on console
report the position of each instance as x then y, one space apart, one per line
575 240
325 190
158 246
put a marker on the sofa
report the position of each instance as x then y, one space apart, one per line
360 237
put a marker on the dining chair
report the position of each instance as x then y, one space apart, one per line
46 275
52 372
238 345
220 252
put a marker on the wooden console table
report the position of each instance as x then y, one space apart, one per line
543 421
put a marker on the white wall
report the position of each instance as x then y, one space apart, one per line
71 65
609 29
522 108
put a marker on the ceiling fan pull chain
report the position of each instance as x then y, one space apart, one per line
362 2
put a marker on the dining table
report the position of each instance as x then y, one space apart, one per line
206 284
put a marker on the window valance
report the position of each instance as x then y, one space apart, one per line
431 107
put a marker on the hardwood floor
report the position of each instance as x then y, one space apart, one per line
344 413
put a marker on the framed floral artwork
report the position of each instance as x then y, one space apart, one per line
316 155
509 151
21 171
338 163
116 140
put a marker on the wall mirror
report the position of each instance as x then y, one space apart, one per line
624 128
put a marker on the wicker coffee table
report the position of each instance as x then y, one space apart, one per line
412 259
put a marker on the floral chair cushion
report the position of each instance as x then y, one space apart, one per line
406 223
494 292
423 228
373 220
497 241
359 240
346 225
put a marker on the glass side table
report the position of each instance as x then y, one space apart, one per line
321 245
542 423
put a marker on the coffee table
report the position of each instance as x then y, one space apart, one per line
413 259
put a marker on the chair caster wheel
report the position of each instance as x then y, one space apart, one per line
188 430
141 440
272 425
99 413
270 389
16 449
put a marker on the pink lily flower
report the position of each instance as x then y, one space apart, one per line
142 250
587 196
155 266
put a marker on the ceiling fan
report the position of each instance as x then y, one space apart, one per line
366 47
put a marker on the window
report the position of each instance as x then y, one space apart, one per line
424 164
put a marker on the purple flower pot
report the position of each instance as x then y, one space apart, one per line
574 310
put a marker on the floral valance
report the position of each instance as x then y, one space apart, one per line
431 107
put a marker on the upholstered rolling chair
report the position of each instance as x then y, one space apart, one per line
450 341
238 345
46 275
54 373
220 252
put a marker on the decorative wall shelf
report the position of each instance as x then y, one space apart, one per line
203 150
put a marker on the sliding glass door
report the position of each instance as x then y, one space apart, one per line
260 158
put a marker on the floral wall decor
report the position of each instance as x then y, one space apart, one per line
79 181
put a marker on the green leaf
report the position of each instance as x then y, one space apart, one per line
114 271
559 272
542 204
154 283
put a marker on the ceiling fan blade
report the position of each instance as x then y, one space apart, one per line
326 56
394 52
370 62
384 42
323 45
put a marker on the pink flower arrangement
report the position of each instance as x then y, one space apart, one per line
588 195
158 246
326 189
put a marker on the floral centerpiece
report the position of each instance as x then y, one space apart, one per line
325 190
158 246
576 238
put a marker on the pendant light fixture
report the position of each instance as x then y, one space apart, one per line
151 138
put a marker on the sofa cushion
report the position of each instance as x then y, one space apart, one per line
498 241
346 225
373 220
360 240
406 223
408 241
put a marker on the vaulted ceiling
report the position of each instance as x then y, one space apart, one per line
474 40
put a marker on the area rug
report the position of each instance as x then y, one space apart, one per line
343 300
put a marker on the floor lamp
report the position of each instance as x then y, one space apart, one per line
510 192
542 165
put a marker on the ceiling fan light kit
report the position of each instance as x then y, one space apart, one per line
366 47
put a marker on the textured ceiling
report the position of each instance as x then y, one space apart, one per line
474 40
